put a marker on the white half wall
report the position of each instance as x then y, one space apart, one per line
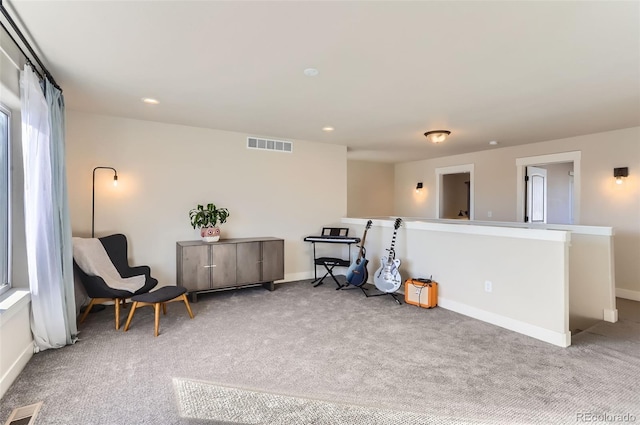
528 297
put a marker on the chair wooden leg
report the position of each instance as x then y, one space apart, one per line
117 305
88 309
131 313
156 306
164 308
186 303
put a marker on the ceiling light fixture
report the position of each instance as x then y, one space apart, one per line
327 129
150 101
493 142
311 72
437 136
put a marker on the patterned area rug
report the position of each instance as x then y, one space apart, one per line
210 401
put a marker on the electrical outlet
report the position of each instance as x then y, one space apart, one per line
489 214
488 286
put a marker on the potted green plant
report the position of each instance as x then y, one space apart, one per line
207 219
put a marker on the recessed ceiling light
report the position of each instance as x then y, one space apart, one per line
150 100
493 142
311 72
327 129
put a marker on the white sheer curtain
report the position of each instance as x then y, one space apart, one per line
49 323
60 202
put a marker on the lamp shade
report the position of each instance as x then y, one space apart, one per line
619 173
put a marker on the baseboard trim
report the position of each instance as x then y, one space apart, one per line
556 338
292 277
15 369
628 294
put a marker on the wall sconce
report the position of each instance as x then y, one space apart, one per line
437 136
93 193
418 187
619 173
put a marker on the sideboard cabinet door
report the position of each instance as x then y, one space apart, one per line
194 273
223 265
272 260
249 262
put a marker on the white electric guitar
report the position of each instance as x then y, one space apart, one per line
387 278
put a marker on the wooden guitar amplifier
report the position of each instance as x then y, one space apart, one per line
421 292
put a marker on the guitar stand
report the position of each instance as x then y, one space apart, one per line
395 297
348 287
363 289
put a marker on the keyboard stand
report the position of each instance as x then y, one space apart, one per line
334 235
329 264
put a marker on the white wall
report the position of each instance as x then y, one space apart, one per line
602 202
370 187
164 170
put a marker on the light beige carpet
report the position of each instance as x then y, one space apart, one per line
335 346
211 401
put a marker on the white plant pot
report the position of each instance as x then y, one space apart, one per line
210 234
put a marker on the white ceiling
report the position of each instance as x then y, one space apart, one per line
515 72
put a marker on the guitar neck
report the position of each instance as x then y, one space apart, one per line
364 239
392 252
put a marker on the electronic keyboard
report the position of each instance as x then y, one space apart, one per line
332 239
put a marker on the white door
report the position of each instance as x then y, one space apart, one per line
536 181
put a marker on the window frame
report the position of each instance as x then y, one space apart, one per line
4 287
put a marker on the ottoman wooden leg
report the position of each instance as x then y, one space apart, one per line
131 313
160 298
186 303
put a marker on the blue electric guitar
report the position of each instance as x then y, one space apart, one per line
357 274
387 278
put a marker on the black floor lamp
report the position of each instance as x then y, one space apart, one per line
93 193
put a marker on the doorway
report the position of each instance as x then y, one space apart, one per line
536 200
548 188
454 192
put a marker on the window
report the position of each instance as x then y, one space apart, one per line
5 201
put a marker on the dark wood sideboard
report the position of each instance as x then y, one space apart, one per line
229 263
